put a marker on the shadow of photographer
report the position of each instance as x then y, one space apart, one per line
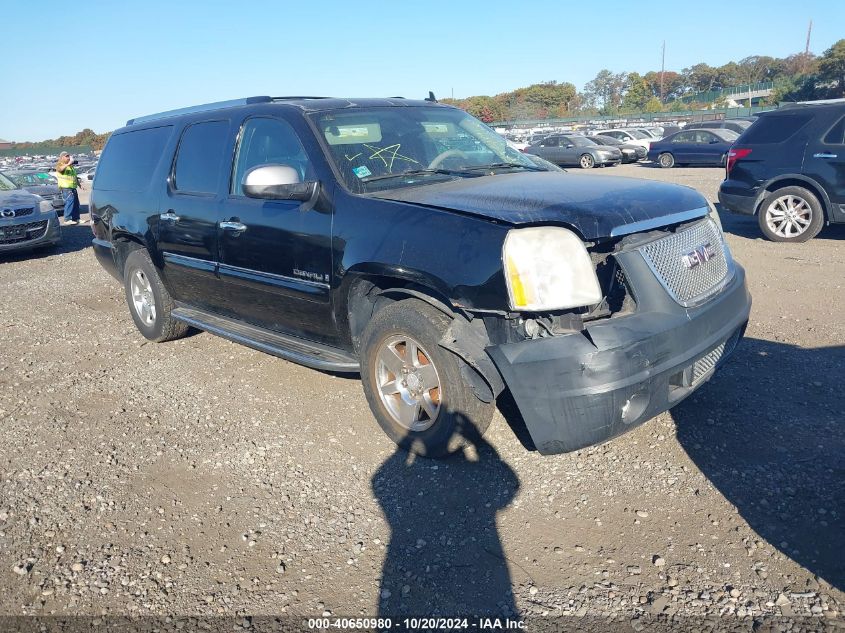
767 432
445 557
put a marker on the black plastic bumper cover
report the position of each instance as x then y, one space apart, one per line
575 392
745 205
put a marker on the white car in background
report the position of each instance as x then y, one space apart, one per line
632 137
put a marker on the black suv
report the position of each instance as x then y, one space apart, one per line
407 241
788 168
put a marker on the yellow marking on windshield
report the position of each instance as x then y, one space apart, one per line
393 156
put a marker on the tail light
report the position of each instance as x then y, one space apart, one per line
734 155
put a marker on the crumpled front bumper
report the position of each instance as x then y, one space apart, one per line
575 390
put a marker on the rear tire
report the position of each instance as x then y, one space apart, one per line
666 160
149 302
790 214
430 412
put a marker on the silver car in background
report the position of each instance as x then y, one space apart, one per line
38 182
26 219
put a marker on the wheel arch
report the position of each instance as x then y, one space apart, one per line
794 180
466 337
123 245
362 293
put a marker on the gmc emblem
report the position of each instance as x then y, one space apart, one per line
701 254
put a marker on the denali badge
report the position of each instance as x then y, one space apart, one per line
701 254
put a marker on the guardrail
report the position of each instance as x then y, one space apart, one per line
637 117
709 96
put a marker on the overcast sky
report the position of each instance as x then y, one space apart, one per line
121 60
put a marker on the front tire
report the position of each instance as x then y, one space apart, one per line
666 160
149 302
414 387
587 161
791 214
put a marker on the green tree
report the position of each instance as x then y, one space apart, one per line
653 105
637 94
606 90
832 70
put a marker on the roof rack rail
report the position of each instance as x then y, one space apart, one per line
291 98
217 105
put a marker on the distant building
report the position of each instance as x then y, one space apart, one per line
4 144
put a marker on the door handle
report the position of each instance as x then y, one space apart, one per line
823 155
170 216
237 227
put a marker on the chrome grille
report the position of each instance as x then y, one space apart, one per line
689 285
16 213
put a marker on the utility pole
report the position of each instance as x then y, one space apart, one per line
662 69
807 49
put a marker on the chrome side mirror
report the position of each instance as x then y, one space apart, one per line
277 182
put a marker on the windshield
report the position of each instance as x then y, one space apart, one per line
606 140
6 184
383 148
33 178
637 134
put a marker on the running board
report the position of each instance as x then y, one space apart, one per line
290 348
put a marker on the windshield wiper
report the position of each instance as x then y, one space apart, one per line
418 172
505 166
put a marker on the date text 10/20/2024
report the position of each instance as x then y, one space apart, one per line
383 624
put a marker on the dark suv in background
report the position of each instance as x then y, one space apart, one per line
407 241
788 168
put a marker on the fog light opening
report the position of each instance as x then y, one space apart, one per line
634 407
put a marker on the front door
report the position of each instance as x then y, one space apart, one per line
275 255
187 223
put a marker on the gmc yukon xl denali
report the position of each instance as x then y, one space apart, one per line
406 241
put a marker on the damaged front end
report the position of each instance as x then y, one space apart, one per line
667 319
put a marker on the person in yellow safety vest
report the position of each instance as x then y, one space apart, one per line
68 182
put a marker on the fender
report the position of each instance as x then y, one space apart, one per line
765 190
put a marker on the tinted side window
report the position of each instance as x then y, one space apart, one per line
775 129
200 155
549 142
836 136
265 142
683 137
129 159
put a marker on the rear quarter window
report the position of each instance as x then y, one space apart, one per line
775 129
129 159
836 135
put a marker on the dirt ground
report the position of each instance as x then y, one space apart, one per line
200 477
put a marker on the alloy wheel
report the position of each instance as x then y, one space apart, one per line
789 216
143 299
408 383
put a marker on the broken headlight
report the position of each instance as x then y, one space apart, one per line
548 268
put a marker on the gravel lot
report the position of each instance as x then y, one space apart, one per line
200 477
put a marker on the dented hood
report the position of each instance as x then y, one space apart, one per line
595 206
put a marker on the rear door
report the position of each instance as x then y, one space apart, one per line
825 162
683 146
549 149
187 223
